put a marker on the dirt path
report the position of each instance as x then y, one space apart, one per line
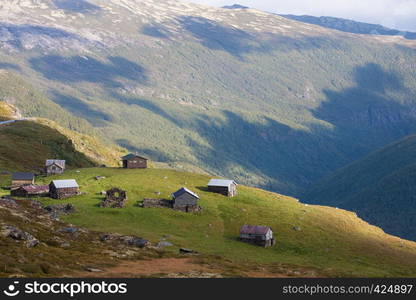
181 268
163 267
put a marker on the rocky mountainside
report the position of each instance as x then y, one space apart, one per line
240 93
379 187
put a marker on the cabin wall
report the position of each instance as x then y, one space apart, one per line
54 170
185 200
229 192
63 193
138 163
18 183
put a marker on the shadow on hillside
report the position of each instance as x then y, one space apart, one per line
149 106
81 109
84 68
77 6
153 30
368 115
15 35
8 66
237 42
364 118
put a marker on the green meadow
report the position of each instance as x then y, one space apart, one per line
330 240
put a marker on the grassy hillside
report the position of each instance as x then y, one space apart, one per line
241 93
381 188
25 145
334 242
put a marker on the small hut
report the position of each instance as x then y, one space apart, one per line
258 235
133 161
60 189
31 191
21 179
54 166
223 186
185 200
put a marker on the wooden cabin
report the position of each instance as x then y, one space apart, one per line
21 179
223 186
31 191
54 167
61 189
258 235
185 200
133 161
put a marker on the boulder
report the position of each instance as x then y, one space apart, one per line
19 235
187 251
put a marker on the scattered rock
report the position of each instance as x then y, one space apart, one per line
71 230
103 193
65 245
60 208
187 251
132 241
99 177
164 244
19 235
297 228
93 270
157 193
6 202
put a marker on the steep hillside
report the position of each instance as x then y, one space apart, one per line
352 26
381 188
25 145
326 241
266 100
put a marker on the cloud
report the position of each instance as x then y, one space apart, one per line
399 14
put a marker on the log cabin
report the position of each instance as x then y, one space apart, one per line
21 179
133 161
223 186
258 235
185 200
61 189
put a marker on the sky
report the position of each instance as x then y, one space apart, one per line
398 14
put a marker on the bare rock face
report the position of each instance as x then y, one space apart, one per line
132 241
19 235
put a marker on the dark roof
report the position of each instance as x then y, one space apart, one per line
23 176
35 189
132 156
248 229
182 191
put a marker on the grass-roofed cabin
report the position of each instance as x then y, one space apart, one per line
54 166
61 189
134 161
258 235
223 186
185 200
21 179
31 191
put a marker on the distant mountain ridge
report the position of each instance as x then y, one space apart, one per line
351 26
235 6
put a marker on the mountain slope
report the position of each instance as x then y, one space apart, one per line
381 188
240 93
351 26
331 241
25 145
